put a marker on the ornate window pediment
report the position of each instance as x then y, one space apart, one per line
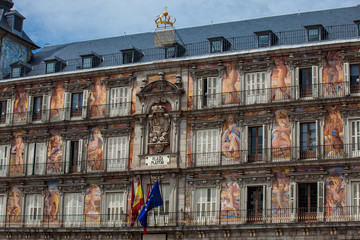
256 66
305 61
33 138
307 176
77 86
113 186
209 71
257 120
119 82
39 91
7 94
255 179
351 57
116 132
34 188
75 135
307 115
206 124
5 139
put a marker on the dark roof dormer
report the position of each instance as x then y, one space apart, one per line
266 38
15 21
219 44
20 69
315 32
174 50
54 65
131 55
90 60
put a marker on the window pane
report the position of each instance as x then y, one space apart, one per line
16 72
264 40
216 46
314 34
87 62
171 52
354 74
50 67
127 57
2 111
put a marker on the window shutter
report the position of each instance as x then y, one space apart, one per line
30 162
67 105
355 200
298 136
212 92
40 158
85 103
320 200
264 202
8 112
3 160
80 157
46 108
297 83
121 103
267 87
293 201
199 95
113 101
315 81
245 144
123 153
30 108
127 100
67 156
346 76
265 143
355 138
318 144
2 208
110 152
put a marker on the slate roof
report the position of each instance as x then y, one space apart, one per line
193 37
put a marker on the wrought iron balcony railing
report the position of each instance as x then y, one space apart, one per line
339 32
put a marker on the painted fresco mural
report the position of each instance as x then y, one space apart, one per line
335 192
280 193
97 99
17 155
230 141
56 105
92 203
51 206
332 76
333 133
230 197
13 210
280 80
95 151
54 155
231 84
12 52
20 107
281 136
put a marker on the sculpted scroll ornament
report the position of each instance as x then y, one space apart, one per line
159 128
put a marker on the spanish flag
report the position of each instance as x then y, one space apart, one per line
139 199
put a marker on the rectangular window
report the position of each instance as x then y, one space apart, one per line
37 108
87 62
115 208
36 158
255 144
207 148
4 152
16 72
264 40
120 101
74 157
305 76
354 78
18 24
160 215
307 140
208 92
2 208
50 67
216 46
308 202
117 152
255 87
314 34
3 109
355 138
73 209
255 204
205 208
355 203
76 104
128 57
33 211
170 52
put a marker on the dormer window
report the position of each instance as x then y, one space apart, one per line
357 22
54 65
315 33
15 21
90 60
219 44
131 56
266 38
18 23
174 51
19 69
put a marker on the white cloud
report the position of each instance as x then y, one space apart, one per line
56 22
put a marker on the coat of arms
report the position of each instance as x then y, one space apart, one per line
159 128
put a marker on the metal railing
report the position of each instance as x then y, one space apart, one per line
338 32
192 218
312 152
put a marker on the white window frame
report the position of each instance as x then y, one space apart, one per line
4 159
33 209
9 112
2 209
207 154
213 99
266 142
120 101
45 108
73 211
346 76
160 216
67 98
36 160
316 72
209 215
244 200
354 202
349 137
117 159
115 213
257 91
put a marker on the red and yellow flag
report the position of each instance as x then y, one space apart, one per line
139 199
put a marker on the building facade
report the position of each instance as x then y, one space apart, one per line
253 133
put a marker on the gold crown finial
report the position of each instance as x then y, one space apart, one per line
165 19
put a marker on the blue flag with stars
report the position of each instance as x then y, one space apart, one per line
153 201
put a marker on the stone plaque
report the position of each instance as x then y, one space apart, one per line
157 160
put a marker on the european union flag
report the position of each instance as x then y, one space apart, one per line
153 201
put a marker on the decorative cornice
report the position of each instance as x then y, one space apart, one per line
34 188
256 66
31 138
255 179
206 72
116 132
113 186
119 82
212 181
73 187
350 57
77 86
350 112
256 120
305 61
307 115
307 176
7 94
5 139
203 124
75 135
39 91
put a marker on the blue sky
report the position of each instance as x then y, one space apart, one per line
63 21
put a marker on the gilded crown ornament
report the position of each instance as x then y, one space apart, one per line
165 19
164 34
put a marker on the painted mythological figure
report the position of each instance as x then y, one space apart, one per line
231 139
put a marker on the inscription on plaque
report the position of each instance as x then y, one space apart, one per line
157 160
